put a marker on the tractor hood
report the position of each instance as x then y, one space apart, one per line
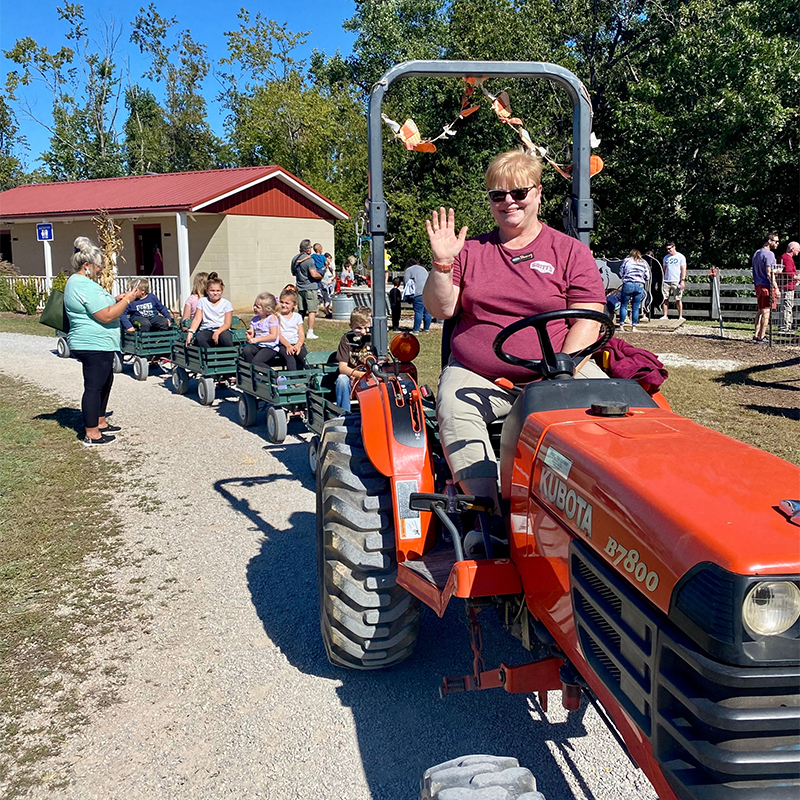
656 494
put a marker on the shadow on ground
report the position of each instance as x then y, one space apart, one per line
403 726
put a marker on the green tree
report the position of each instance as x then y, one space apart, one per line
280 112
84 84
147 141
11 170
182 65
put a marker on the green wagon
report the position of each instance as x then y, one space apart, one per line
208 364
143 348
283 392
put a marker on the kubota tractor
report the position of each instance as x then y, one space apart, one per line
665 587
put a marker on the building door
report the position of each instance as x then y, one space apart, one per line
148 250
5 247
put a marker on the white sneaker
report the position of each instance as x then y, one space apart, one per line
311 335
681 319
633 329
664 317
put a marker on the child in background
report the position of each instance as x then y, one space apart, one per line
360 319
198 291
146 312
292 336
319 259
326 285
396 302
213 317
264 331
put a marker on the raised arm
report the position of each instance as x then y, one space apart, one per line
440 295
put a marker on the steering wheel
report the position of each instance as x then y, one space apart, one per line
552 364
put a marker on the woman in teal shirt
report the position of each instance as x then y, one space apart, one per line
94 336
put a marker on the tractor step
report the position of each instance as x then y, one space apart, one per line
438 576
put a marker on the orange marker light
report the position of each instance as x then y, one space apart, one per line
404 347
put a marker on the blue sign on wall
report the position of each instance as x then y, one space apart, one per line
44 232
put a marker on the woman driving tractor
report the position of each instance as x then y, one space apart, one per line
522 267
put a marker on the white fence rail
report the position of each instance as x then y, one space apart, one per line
165 287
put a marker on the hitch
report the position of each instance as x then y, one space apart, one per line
539 676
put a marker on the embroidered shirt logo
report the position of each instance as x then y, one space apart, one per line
545 267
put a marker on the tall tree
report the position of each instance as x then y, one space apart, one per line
280 112
84 84
147 140
11 169
182 65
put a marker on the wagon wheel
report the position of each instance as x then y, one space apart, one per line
141 368
117 364
180 380
276 424
248 410
313 453
62 347
206 391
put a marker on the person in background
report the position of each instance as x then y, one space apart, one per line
635 273
766 286
360 320
326 285
787 282
146 312
93 337
198 291
674 280
213 317
308 278
348 275
396 302
417 275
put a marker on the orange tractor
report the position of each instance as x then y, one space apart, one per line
664 588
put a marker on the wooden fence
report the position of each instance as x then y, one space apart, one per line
165 287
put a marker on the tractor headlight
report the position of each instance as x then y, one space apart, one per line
771 608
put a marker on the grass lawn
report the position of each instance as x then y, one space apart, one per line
54 515
23 323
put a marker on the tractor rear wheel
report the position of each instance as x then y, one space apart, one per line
479 778
367 620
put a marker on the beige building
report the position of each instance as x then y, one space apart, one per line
244 224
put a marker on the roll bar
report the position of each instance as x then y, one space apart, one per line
582 207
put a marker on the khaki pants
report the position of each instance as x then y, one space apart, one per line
787 309
465 405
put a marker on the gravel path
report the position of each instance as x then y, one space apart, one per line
227 691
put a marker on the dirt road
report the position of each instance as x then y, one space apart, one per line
225 690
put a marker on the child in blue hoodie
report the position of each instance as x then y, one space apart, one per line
146 310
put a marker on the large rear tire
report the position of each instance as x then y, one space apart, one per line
367 620
479 778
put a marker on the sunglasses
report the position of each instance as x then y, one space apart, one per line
498 195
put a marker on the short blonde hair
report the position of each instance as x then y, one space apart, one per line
361 316
514 169
144 284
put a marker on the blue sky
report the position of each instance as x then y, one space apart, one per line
206 20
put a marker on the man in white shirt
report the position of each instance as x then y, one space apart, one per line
674 280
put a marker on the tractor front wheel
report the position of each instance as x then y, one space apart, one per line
367 620
480 778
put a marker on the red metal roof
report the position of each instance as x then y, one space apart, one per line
177 191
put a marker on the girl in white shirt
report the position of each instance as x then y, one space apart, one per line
213 317
292 336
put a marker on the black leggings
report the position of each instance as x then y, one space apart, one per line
260 356
98 375
203 339
294 362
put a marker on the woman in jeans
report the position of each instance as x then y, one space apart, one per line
635 272
94 336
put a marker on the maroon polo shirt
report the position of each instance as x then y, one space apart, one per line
500 286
